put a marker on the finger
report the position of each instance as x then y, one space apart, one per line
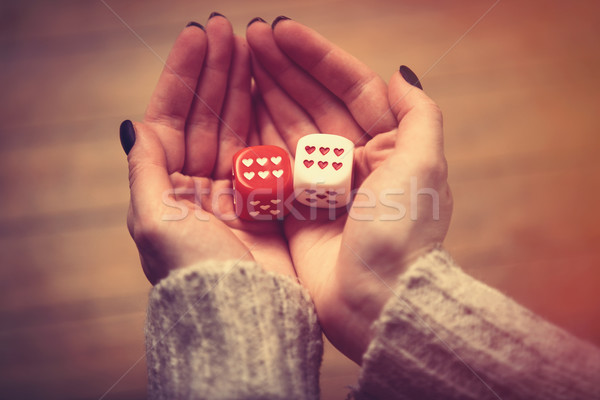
328 112
253 135
267 131
289 119
253 138
171 100
234 128
202 127
359 87
420 131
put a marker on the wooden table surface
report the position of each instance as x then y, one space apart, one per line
519 86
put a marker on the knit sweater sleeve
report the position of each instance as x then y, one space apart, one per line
444 335
231 331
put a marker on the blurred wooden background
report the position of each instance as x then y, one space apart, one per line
520 93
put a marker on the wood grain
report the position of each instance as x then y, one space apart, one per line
519 91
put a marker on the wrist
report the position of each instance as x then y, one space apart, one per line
346 316
357 298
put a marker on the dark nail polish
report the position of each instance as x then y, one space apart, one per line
278 19
127 135
410 76
255 20
197 25
216 14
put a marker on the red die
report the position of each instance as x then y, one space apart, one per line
262 181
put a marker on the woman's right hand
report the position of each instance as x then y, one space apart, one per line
180 165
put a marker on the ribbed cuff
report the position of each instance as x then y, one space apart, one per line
231 330
445 335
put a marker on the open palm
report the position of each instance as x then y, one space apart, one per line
349 262
181 210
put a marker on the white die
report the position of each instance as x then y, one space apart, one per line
323 170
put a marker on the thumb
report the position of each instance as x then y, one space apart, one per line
148 177
419 119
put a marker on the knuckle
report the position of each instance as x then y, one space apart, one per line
147 233
432 109
449 197
134 171
130 222
435 168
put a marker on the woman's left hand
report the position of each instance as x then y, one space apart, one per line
349 264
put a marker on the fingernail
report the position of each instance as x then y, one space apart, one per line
127 135
197 25
255 20
410 76
216 14
278 19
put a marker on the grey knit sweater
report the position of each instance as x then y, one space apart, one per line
232 331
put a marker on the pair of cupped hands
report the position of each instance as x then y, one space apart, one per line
205 108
